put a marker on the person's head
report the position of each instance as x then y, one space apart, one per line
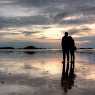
66 33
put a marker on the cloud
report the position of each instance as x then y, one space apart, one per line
6 33
27 33
81 29
25 13
35 3
23 21
36 12
79 21
30 33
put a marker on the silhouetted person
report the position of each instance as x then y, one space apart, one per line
68 47
65 47
68 77
72 48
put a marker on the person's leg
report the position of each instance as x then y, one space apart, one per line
64 55
67 56
72 56
67 67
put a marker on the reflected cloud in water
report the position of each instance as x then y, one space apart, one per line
30 63
45 63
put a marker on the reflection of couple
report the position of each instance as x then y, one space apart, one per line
68 48
68 77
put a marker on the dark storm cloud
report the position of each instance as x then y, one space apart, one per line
80 21
51 11
29 33
36 3
22 21
85 8
72 5
2 34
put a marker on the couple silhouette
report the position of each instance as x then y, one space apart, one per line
68 49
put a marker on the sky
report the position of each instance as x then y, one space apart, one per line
42 23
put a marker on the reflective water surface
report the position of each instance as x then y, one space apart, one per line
39 73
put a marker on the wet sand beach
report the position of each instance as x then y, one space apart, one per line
39 73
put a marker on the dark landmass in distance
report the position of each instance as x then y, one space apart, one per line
31 47
7 48
85 48
27 47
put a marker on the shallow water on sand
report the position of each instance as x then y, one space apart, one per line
39 73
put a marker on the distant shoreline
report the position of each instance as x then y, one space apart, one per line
36 48
43 49
31 49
